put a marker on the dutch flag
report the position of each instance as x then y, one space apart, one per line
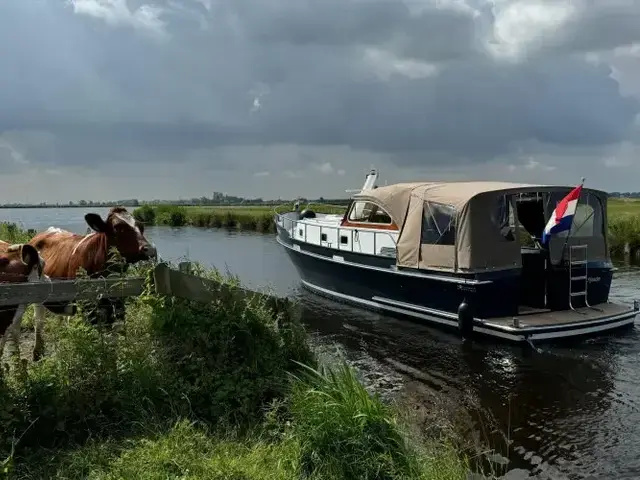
562 217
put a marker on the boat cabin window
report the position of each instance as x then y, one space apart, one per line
438 224
503 219
369 212
531 217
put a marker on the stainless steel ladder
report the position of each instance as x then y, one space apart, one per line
581 275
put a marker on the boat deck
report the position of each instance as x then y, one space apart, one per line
531 317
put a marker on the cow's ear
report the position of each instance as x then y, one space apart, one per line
96 222
29 255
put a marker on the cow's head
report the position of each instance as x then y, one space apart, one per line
124 233
20 262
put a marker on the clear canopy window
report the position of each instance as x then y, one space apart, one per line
438 224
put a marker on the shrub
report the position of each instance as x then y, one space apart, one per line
145 214
230 357
170 215
12 233
259 219
624 230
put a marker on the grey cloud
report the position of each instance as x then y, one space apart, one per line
603 25
434 33
11 160
103 90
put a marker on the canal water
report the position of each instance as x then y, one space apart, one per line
571 412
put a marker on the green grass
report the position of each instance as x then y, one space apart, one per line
183 451
251 218
624 225
624 206
197 391
12 233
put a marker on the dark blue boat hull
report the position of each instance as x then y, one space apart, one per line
374 282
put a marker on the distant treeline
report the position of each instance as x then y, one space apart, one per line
625 194
222 201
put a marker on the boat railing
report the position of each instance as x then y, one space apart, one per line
294 224
310 204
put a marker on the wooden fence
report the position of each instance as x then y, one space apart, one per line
179 283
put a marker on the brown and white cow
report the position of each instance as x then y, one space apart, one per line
19 263
65 252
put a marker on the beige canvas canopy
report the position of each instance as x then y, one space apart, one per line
472 234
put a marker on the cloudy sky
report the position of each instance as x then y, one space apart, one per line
104 99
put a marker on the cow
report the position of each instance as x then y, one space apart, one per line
65 252
19 263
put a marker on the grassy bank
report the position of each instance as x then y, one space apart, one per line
194 391
259 219
624 226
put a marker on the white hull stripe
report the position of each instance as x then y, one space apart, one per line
529 330
450 319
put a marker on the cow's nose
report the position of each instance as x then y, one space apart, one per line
149 251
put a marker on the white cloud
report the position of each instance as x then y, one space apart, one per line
385 64
535 165
325 168
15 156
117 13
615 162
523 26
292 174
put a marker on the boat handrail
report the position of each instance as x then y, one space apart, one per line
376 232
329 205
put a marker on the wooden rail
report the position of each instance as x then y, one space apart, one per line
69 290
180 283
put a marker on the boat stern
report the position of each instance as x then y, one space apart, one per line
545 325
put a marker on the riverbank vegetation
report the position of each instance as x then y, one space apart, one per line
187 390
12 233
624 226
251 218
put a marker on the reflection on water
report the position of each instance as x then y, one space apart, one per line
572 411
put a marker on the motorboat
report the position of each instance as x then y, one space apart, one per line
465 255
